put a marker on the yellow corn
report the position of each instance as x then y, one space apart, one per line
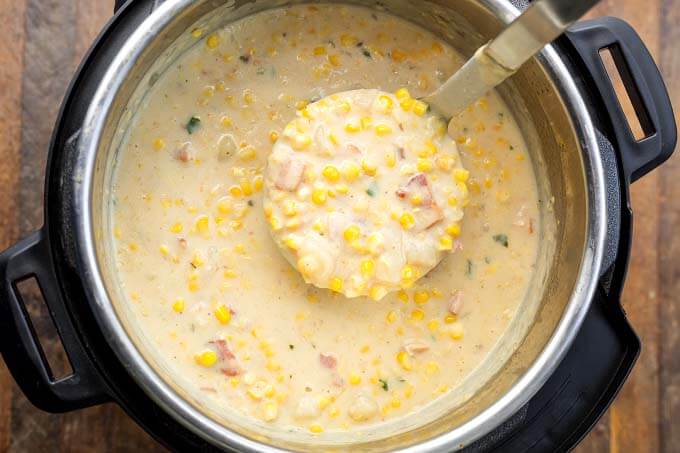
404 361
320 50
206 358
352 126
368 167
377 292
354 379
382 129
424 165
351 233
445 243
391 316
461 175
212 41
223 314
453 229
407 221
158 144
202 224
176 228
178 306
402 93
315 428
335 284
419 108
270 410
367 267
417 315
319 196
421 297
331 173
350 171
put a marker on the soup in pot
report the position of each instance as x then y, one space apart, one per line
205 280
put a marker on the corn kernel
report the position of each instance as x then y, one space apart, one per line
178 306
456 331
164 250
453 229
385 102
331 173
196 32
354 379
202 224
461 175
398 55
367 267
212 41
445 243
420 108
348 40
402 295
431 367
407 221
289 208
391 316
335 284
258 182
315 428
453 201
352 126
323 401
158 144
450 318
351 233
334 60
320 50
433 325
366 122
176 228
406 104
417 315
333 139
408 273
421 297
350 171
273 136
229 273
377 292
390 159
424 165
223 314
236 191
382 130
404 361
402 93
270 410
206 358
319 196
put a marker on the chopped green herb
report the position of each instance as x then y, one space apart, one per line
512 147
372 190
502 239
366 52
194 124
487 260
251 203
244 58
291 347
468 268
384 385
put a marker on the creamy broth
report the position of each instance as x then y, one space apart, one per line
216 299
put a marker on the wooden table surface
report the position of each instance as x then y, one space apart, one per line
41 43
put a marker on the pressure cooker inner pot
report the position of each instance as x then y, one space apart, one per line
558 160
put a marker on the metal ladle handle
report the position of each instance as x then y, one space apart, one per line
494 62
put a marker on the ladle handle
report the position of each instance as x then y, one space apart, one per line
643 84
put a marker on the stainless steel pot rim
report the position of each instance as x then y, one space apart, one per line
532 380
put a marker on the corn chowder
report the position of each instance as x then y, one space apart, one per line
364 192
217 299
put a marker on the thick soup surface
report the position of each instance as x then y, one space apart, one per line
217 300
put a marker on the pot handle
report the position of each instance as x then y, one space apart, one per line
644 85
19 343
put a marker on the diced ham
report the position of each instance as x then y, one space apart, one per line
290 175
352 149
223 349
229 364
417 185
456 302
427 217
413 347
328 360
184 153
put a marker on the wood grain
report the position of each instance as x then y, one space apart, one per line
12 59
41 43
